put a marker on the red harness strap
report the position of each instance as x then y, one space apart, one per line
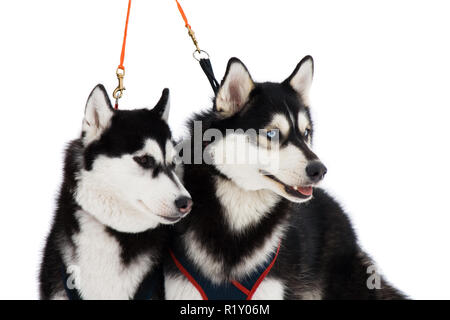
248 292
263 275
190 278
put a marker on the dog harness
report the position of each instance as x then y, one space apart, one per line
147 290
233 290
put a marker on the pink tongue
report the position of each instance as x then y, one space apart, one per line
307 191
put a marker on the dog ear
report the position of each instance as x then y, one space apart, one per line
162 108
235 89
97 115
301 79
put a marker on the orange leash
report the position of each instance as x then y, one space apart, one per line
120 72
183 15
188 26
122 54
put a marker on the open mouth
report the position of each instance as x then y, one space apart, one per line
302 192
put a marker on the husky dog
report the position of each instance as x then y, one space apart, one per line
257 232
118 195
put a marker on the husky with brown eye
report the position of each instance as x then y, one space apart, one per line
119 194
264 229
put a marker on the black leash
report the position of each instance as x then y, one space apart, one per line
207 68
205 62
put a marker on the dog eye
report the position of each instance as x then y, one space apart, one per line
272 134
146 161
307 133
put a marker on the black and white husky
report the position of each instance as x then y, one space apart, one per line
118 195
262 230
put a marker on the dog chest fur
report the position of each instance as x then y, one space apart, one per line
179 288
110 278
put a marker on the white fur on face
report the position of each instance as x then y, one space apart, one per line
243 162
170 153
280 122
109 279
151 147
292 169
126 197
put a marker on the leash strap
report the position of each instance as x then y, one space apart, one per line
120 71
205 62
122 54
208 70
233 290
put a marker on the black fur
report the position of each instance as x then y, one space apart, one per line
319 248
126 134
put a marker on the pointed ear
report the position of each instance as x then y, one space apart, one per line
162 108
97 115
235 88
301 79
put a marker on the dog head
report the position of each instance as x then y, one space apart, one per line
127 180
268 127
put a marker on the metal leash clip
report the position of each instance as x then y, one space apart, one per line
118 92
194 39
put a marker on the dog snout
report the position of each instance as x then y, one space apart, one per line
316 171
184 204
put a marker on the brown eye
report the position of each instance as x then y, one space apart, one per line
145 161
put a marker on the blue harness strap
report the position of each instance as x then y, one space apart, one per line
147 290
233 290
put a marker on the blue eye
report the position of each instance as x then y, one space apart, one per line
272 134
307 133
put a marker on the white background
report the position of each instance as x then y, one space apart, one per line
380 101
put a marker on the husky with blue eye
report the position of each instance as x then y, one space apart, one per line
118 196
262 231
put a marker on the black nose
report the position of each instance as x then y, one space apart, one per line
316 171
184 204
